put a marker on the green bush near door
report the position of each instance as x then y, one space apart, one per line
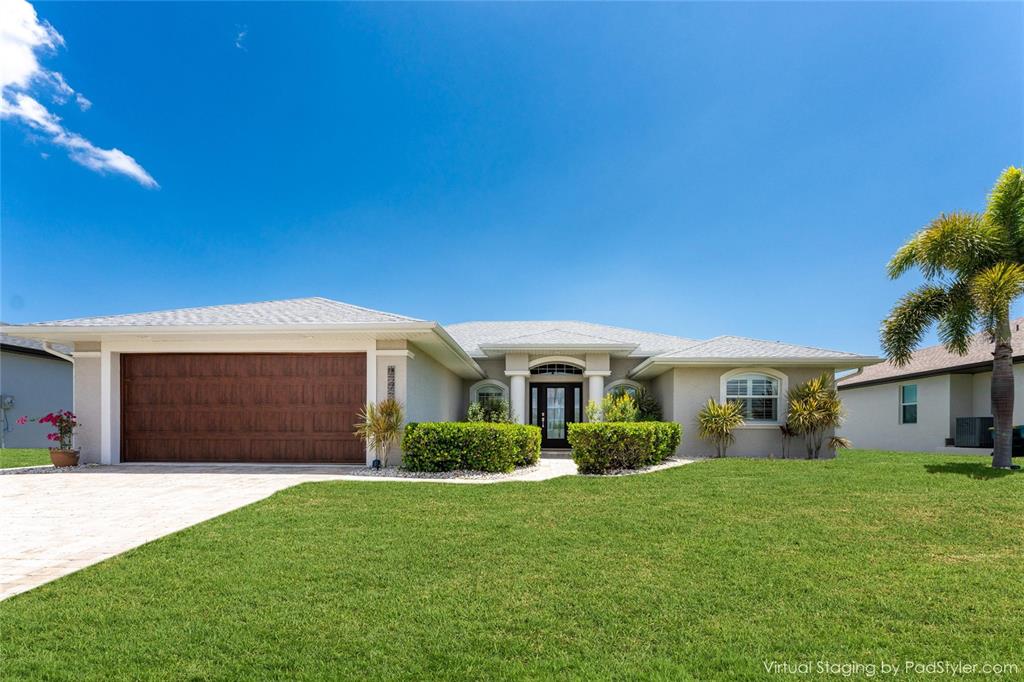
476 446
598 447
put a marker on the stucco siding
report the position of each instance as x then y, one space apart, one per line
434 393
873 415
87 408
692 388
39 385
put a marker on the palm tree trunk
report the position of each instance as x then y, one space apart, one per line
1002 395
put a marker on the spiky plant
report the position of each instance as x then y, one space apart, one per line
973 265
380 426
814 409
716 422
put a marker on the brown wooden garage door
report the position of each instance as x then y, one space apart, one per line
242 407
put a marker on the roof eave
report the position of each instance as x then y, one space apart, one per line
654 366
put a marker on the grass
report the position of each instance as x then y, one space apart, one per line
23 457
700 572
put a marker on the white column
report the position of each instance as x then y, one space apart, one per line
371 390
517 394
596 384
110 407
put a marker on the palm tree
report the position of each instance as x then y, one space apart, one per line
716 422
814 409
973 265
380 426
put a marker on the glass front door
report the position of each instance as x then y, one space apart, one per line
552 408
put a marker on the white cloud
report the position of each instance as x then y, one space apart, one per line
243 31
22 38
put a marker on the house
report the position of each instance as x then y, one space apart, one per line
283 381
916 407
33 382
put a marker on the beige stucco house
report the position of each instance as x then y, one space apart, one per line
916 407
283 381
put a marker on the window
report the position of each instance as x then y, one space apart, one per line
622 386
556 368
908 404
488 390
757 393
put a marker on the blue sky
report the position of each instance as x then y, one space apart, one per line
696 169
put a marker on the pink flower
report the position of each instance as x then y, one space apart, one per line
22 420
52 436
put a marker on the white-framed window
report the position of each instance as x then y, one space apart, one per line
759 392
626 386
488 390
908 404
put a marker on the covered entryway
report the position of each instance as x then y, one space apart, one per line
242 407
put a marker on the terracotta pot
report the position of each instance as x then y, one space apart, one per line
63 458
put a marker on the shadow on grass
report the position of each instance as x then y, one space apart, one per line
978 470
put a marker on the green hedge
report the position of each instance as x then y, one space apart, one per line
598 447
477 446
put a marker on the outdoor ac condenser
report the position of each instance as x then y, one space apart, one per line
973 432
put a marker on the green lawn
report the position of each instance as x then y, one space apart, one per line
704 571
23 457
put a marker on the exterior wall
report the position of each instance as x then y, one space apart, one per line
87 408
495 368
692 386
39 385
873 415
663 388
873 411
434 392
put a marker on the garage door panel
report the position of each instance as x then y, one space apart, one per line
263 407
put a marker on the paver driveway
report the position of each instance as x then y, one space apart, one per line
52 524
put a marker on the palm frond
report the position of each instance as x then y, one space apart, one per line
913 314
839 443
956 324
1006 205
955 242
994 289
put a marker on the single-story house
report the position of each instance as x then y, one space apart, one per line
283 381
33 382
917 407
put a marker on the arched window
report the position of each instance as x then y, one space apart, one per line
488 390
758 392
630 388
556 369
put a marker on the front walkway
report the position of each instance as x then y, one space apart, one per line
55 523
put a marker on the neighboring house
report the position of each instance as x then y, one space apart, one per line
283 381
916 407
33 383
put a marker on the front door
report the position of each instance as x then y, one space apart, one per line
552 408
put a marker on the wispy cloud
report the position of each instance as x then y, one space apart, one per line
23 38
243 31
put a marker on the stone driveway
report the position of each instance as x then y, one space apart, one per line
52 524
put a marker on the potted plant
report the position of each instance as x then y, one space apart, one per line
64 454
380 427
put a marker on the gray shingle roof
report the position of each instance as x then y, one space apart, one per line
472 335
30 344
312 311
935 359
742 347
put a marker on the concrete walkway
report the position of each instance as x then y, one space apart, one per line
52 524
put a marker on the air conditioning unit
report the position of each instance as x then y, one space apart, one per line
973 432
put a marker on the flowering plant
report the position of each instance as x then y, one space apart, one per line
63 421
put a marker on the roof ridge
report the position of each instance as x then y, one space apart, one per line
350 305
555 329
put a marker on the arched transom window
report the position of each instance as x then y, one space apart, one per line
488 391
556 368
757 393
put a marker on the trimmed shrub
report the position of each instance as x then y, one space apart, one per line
598 447
477 446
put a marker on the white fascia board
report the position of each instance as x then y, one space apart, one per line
654 366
